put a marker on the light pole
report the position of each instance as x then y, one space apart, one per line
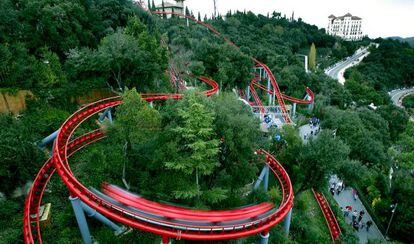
394 207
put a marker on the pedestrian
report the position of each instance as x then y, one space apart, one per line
343 186
361 225
332 190
338 187
354 215
355 225
311 132
346 212
369 223
354 194
359 218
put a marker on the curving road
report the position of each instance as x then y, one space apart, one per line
398 95
337 71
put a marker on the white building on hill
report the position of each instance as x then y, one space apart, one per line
347 27
177 7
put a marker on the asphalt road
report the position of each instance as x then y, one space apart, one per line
398 95
337 71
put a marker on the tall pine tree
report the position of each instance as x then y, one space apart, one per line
312 57
197 146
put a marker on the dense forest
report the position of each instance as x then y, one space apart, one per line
61 50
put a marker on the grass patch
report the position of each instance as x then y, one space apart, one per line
308 223
408 101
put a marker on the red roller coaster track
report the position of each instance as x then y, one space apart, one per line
150 216
330 218
245 222
279 96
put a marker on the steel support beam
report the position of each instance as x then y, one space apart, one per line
81 219
50 138
294 110
264 238
263 177
93 213
288 220
266 179
268 88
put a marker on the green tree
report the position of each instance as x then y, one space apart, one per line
396 117
196 143
312 57
317 160
136 122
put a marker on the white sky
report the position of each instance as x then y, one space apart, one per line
381 18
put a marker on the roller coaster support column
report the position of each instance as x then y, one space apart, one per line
264 176
81 219
264 237
93 213
286 224
50 138
107 113
268 88
248 93
294 110
310 107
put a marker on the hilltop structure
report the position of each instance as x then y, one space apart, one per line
177 7
347 27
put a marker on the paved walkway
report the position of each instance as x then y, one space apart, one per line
306 130
344 199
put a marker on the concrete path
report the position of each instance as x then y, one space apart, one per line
344 199
306 130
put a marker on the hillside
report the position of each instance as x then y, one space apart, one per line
197 152
409 40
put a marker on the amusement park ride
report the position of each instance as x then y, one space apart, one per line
114 204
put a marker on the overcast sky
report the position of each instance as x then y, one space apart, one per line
381 18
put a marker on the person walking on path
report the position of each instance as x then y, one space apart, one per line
338 188
361 213
348 209
354 215
369 223
354 194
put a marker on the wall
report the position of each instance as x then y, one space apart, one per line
14 102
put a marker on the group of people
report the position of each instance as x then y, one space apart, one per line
314 126
357 218
337 187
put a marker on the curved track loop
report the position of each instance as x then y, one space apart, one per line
330 218
165 227
279 96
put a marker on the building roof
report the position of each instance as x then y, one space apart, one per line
343 17
168 5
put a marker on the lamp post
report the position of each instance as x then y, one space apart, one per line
394 207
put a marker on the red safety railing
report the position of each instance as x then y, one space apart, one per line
330 218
